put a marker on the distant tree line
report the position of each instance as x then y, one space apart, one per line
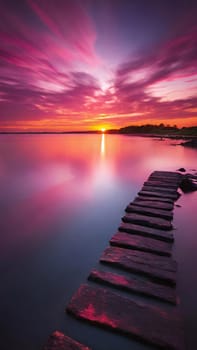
160 129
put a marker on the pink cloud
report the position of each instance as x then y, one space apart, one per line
155 83
71 24
46 54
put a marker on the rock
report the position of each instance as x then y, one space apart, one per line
192 143
135 285
191 176
157 268
188 185
182 170
59 341
153 325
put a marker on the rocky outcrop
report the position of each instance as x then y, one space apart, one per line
191 143
189 183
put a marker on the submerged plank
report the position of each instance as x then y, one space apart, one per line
145 244
59 341
107 309
132 208
158 268
148 221
142 287
146 232
139 201
159 194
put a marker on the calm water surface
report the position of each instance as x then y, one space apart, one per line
61 199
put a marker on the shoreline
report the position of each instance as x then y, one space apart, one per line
173 136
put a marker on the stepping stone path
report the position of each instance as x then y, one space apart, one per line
139 262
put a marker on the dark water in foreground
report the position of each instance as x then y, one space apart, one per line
61 199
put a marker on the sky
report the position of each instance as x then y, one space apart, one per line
69 65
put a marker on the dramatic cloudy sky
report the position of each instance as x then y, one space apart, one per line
87 64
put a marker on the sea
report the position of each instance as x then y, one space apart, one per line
61 200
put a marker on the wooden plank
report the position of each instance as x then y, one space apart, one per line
126 240
167 174
157 326
59 341
153 204
164 179
158 194
160 183
154 199
132 208
149 221
134 285
159 189
158 268
146 232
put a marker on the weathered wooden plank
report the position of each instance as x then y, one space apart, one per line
159 189
158 268
146 244
167 174
149 221
59 341
137 286
164 176
101 307
139 201
132 208
158 194
154 199
146 232
164 179
160 183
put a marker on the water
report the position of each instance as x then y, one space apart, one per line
62 198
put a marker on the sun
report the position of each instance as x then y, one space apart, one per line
103 129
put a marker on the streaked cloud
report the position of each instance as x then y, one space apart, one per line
56 74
